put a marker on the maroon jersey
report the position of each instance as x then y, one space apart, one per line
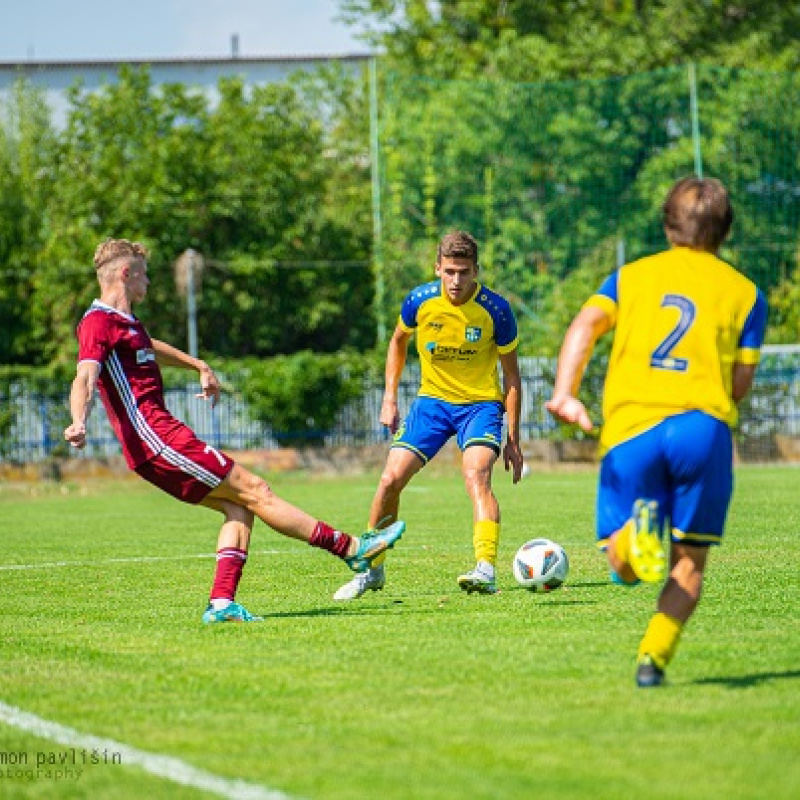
130 383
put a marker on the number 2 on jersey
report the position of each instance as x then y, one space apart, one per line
661 358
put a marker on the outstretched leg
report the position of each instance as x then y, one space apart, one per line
254 493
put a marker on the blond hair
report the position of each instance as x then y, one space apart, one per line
112 249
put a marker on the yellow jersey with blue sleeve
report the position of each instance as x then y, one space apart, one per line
682 318
459 346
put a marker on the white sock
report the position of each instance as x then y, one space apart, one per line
220 603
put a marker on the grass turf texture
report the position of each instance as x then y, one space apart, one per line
415 692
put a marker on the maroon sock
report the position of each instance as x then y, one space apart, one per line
328 538
230 563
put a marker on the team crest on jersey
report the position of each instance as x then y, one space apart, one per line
145 354
133 331
473 334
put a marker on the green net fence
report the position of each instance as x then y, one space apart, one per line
561 181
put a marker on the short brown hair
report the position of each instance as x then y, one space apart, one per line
112 249
458 244
698 214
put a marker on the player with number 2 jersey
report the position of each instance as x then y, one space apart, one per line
687 330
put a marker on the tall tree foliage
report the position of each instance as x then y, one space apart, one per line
26 181
553 131
252 182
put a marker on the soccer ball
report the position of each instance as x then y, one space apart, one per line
541 565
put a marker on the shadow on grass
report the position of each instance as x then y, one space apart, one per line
393 606
746 681
337 611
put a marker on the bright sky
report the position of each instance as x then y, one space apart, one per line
75 30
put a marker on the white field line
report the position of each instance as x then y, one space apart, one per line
131 559
172 769
144 559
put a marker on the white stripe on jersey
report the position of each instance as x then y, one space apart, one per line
120 379
189 467
147 434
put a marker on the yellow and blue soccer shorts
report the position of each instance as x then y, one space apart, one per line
432 422
685 463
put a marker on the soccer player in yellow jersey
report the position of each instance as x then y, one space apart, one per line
687 332
462 329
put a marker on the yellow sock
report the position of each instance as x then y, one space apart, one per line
661 639
485 537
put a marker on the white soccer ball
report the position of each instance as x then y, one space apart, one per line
541 565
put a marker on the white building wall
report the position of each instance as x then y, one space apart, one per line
55 78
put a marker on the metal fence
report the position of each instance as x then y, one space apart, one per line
36 420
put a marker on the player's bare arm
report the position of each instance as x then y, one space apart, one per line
395 362
743 375
80 402
169 356
512 389
587 327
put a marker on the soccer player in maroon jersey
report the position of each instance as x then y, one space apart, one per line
117 356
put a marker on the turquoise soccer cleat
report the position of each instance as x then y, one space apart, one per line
372 544
232 613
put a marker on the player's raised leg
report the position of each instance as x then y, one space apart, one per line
254 493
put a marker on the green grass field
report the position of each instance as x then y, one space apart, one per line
415 692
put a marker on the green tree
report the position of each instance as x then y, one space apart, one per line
27 146
251 183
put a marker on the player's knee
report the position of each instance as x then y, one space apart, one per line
477 479
260 489
689 576
252 490
392 482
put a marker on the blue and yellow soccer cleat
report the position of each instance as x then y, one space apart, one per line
232 613
648 673
647 557
372 544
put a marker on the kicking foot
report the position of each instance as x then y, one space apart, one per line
372 544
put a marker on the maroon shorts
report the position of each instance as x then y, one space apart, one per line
187 469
